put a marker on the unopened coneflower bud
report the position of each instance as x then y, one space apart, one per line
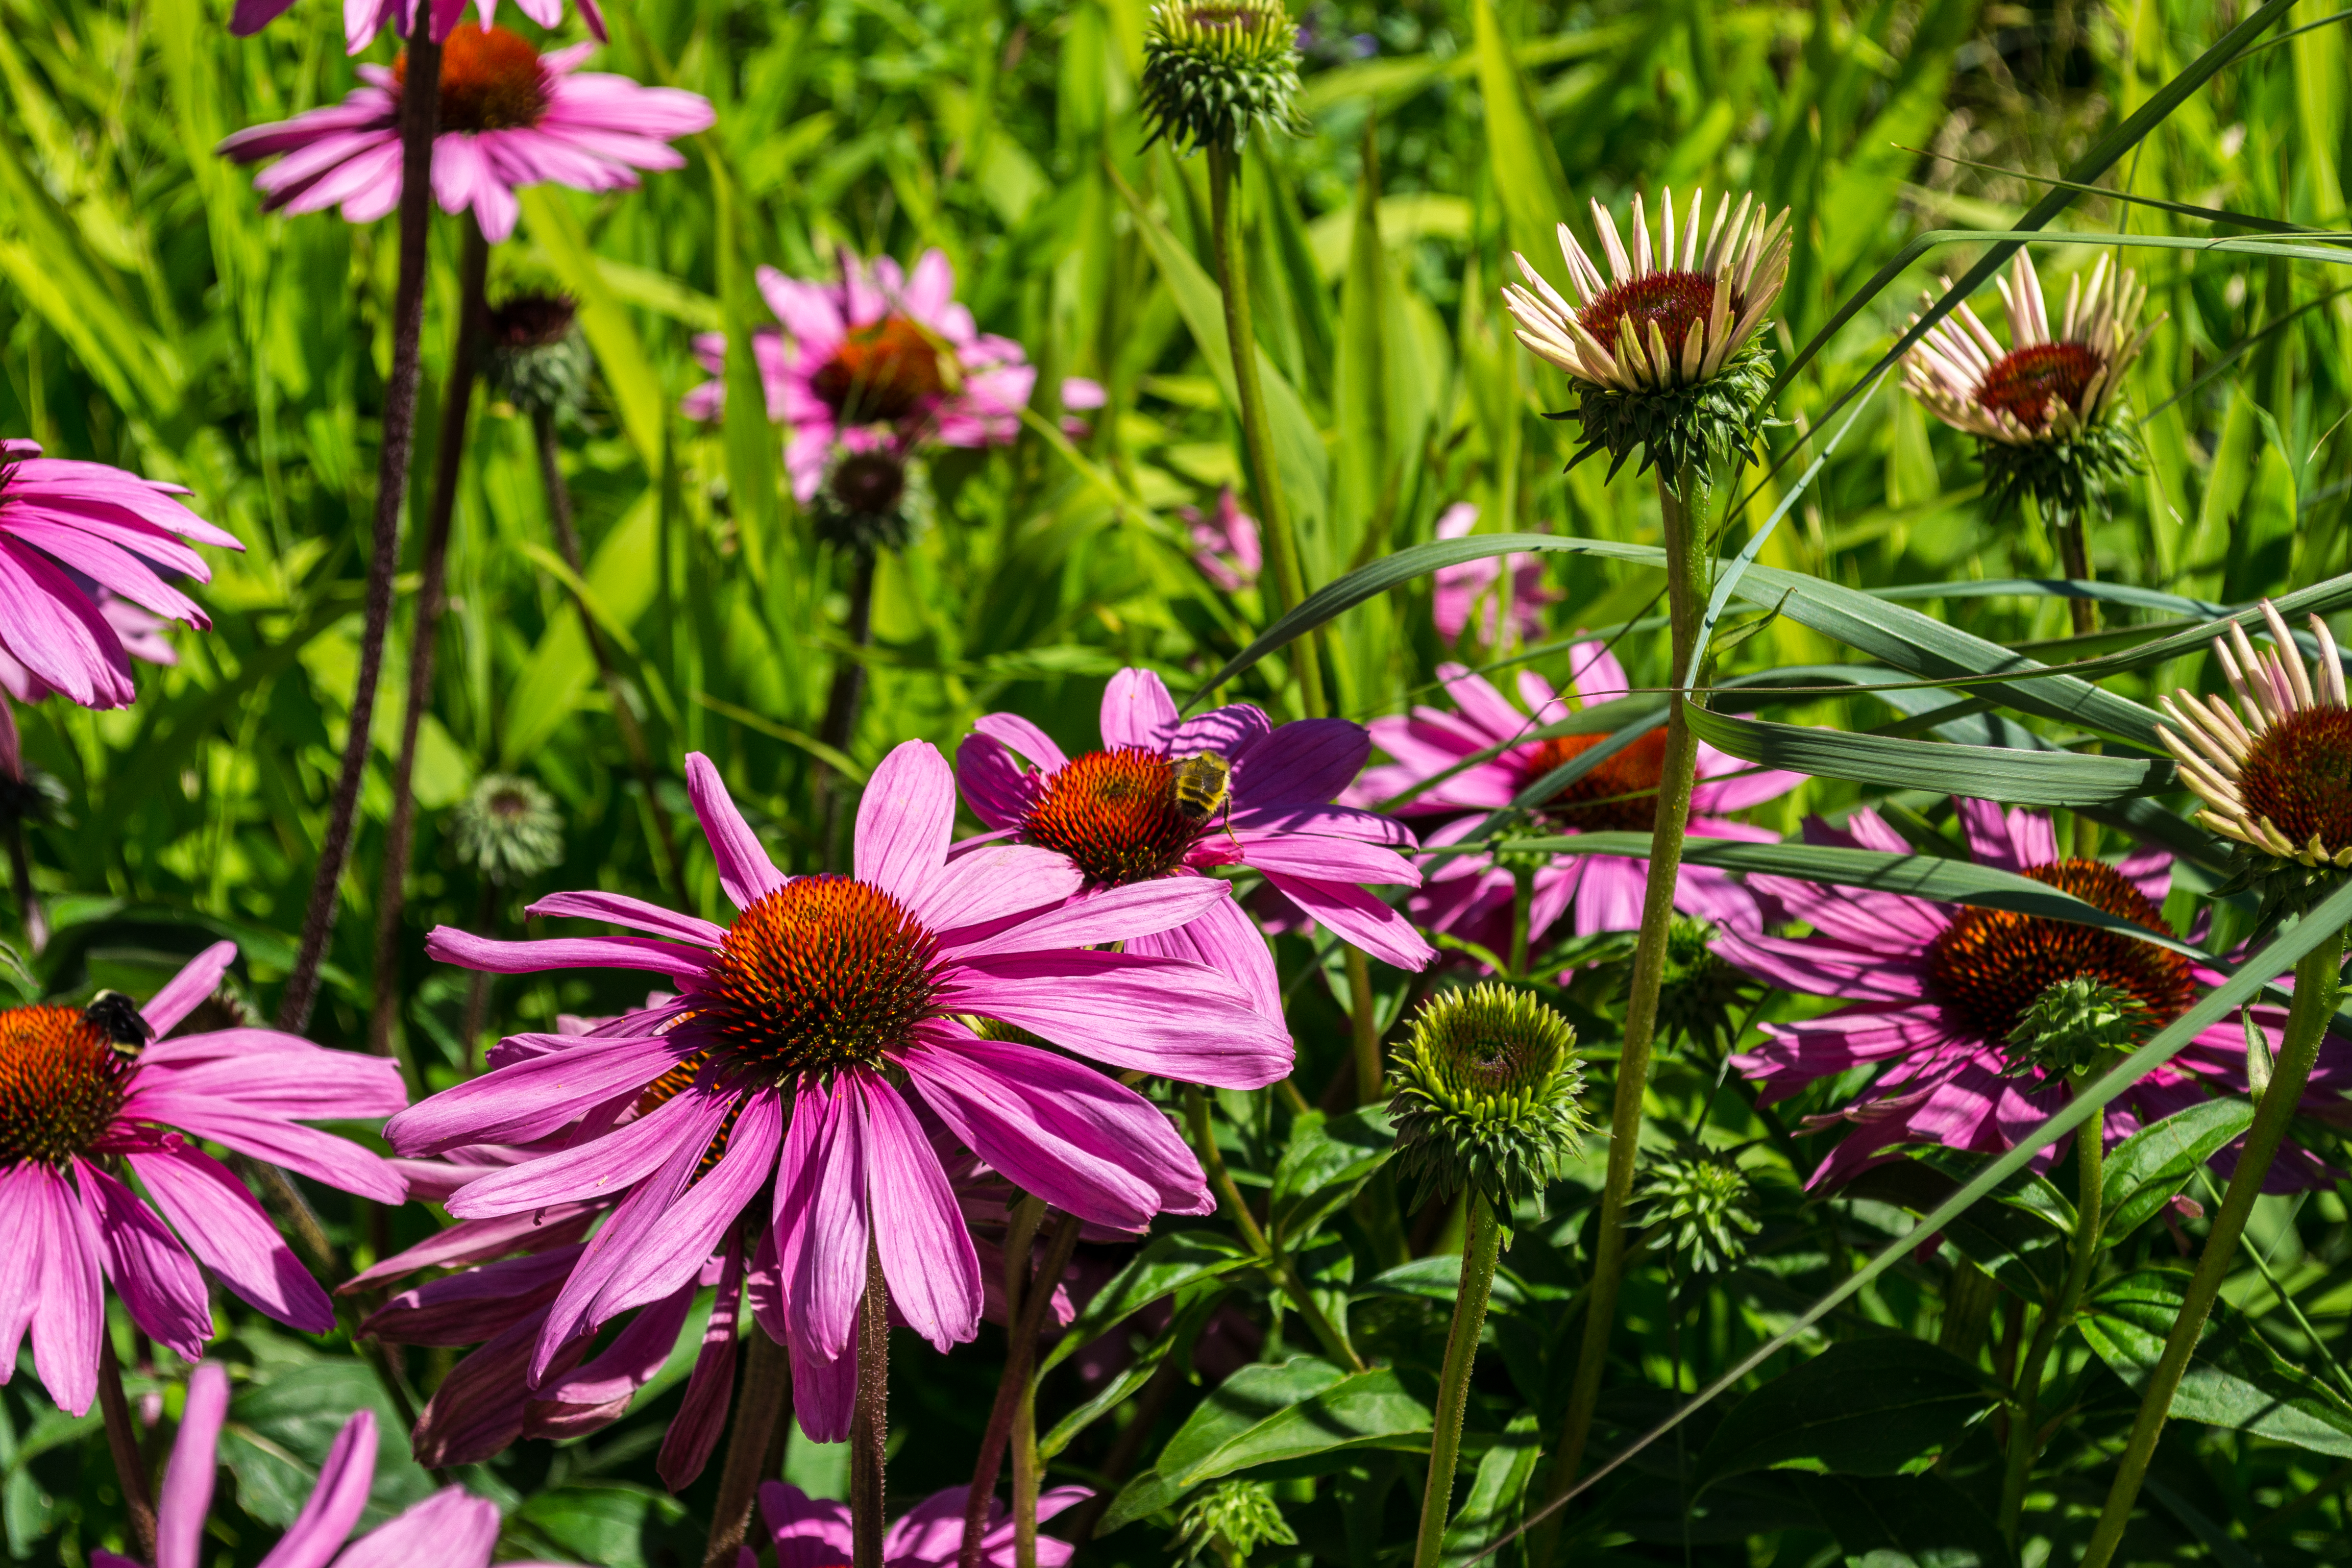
507 830
871 501
1703 1199
538 359
1486 1094
2073 1024
1232 1518
1700 992
1215 69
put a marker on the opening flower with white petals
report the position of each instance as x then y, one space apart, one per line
2276 776
2046 386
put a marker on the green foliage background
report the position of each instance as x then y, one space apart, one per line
153 317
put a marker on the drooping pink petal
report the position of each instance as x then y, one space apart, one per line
821 1219
152 1272
1161 1015
825 1393
694 1431
186 1499
995 882
1224 938
1108 915
1303 763
449 946
231 1234
1359 918
335 1503
808 1533
531 1099
619 908
603 1166
926 1252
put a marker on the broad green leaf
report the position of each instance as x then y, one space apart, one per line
1249 1398
610 1523
1325 1163
1526 166
1146 1495
1492 1504
279 1430
2012 1244
1862 1407
2142 1172
2233 1380
1905 1521
1166 1265
1368 1410
1991 773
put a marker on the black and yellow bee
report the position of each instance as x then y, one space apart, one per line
118 1017
1204 787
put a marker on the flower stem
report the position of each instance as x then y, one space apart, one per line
419 112
1479 1255
841 705
1273 1259
767 1378
2075 554
1021 1327
2089 1152
432 598
123 1441
870 1427
1257 436
2317 980
625 717
1686 570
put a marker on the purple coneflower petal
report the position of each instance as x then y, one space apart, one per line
905 821
1223 938
449 946
809 1533
619 908
231 1234
466 1308
322 1156
1108 915
1312 760
449 1527
824 1395
820 1217
994 882
159 1283
926 1252
1137 710
701 1416
1023 739
1359 918
68 1303
1166 1016
186 1499
336 1503
698 1220
531 1099
746 875
180 994
598 1394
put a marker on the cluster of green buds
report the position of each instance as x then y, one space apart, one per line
1704 1200
1232 1518
508 829
1214 69
1487 1093
2074 1024
538 359
872 500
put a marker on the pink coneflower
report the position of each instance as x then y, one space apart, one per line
877 357
1117 818
795 1027
82 1095
142 637
364 19
509 117
1939 992
2048 384
60 518
448 1530
1226 546
1468 895
811 1533
1458 589
1081 396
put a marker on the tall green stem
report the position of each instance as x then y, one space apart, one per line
2317 982
869 1429
122 1442
1479 1255
1257 436
1686 580
2090 1143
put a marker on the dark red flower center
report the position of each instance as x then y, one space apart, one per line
2299 775
884 372
2023 384
1989 966
1618 794
823 973
1676 301
61 1082
491 80
1115 814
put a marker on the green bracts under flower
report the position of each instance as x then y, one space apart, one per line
1213 72
1486 1094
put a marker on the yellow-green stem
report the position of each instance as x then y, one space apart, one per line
1283 567
1686 574
2317 980
2089 1149
1276 1261
1479 1255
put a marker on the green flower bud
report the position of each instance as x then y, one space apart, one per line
537 361
1485 1093
2073 1024
1700 992
508 829
1215 69
1704 1197
1232 1518
871 501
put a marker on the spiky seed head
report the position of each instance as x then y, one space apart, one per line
1486 1094
1214 69
871 501
1700 992
1232 1518
1705 1199
508 829
2075 1023
538 359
